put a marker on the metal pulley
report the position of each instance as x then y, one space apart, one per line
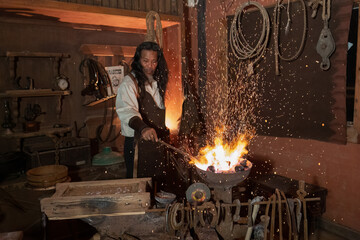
326 44
198 192
325 47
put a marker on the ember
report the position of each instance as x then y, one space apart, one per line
223 157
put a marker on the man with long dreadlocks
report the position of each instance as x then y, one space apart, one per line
140 107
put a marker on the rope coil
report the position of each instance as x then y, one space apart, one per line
239 45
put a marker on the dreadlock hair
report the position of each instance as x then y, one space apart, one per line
161 71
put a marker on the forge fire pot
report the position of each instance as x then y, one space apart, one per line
222 183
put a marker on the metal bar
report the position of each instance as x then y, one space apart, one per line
177 150
247 204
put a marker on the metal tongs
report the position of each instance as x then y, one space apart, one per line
177 150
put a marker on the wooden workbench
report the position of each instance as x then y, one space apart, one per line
98 198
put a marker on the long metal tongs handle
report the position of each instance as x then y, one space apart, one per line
177 150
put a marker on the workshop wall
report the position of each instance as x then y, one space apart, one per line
43 36
332 166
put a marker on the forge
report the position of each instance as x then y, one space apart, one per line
223 182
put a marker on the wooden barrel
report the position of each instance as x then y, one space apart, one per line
47 176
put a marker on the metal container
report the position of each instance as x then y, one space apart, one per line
225 179
223 182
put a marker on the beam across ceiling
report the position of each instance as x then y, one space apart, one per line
81 14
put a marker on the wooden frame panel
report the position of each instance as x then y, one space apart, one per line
112 198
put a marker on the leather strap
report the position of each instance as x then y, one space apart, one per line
136 85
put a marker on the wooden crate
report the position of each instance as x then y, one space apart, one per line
98 198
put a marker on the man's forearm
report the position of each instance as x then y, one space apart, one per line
137 124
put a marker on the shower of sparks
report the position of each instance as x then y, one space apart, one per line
231 104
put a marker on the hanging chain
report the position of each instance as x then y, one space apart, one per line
57 141
57 152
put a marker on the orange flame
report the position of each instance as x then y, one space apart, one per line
173 103
223 156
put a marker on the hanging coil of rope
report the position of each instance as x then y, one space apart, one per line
153 35
240 46
277 13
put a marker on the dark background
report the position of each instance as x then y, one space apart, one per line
304 101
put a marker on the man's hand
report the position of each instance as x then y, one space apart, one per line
149 134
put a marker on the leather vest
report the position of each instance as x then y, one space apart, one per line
151 156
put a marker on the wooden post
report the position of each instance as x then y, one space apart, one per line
357 85
136 158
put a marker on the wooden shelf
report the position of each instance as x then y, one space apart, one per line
108 50
47 131
38 54
34 93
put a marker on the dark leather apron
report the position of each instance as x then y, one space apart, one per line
152 161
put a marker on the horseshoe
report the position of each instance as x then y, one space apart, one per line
210 207
174 213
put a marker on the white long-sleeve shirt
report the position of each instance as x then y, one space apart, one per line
127 105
